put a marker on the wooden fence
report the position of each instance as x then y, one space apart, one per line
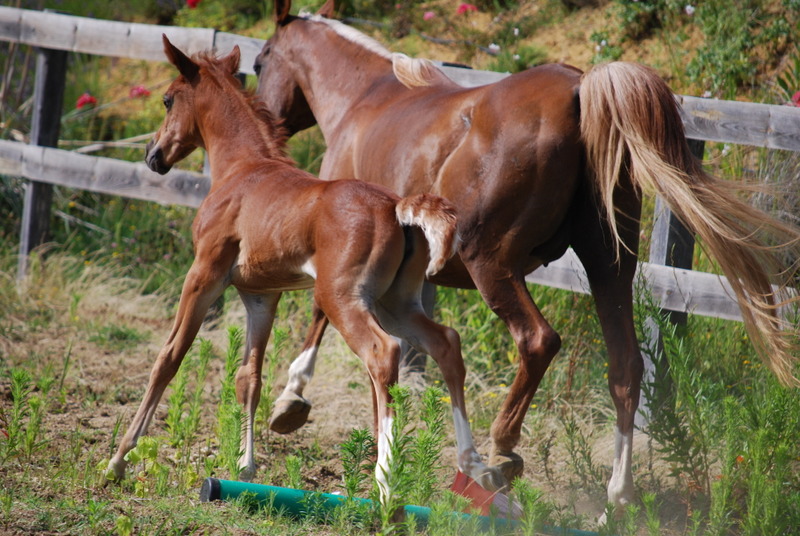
675 288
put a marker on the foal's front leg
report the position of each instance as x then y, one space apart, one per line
260 316
200 290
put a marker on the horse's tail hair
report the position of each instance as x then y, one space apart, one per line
631 126
437 219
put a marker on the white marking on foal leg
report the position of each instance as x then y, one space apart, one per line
385 440
301 371
247 463
620 486
469 461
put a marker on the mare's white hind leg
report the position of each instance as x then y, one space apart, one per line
291 408
620 486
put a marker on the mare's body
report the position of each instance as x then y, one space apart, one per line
537 162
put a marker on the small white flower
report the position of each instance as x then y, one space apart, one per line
603 43
516 32
598 48
494 47
726 149
689 9
516 57
706 94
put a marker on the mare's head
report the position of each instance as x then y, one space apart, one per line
279 85
184 102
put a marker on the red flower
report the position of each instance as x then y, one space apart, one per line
138 91
465 8
796 99
85 100
192 3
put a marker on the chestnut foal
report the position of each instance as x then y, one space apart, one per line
267 227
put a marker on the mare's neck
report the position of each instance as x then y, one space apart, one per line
336 76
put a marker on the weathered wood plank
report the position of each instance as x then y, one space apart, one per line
249 46
675 289
471 77
776 127
48 100
103 175
746 123
95 36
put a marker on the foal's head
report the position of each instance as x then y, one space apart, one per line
179 134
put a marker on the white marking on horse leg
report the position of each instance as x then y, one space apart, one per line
469 461
620 486
301 371
385 440
247 463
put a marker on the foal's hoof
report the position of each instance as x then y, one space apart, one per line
289 414
508 463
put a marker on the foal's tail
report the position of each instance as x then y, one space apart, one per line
437 219
631 125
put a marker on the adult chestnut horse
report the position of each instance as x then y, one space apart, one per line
537 162
266 227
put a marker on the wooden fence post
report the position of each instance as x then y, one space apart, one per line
48 100
671 244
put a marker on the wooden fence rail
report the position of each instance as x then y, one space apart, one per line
770 126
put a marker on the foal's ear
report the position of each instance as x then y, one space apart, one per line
282 8
231 61
328 9
185 65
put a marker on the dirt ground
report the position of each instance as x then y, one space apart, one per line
104 383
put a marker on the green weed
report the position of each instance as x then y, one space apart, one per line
116 338
230 416
357 453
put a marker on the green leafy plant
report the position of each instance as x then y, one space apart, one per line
518 59
357 454
280 338
294 471
153 476
231 415
397 479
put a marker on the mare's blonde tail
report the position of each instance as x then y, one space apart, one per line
437 219
631 126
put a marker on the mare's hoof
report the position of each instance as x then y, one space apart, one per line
509 464
289 414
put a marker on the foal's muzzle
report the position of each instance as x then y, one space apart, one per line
154 158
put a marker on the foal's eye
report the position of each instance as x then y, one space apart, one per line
167 102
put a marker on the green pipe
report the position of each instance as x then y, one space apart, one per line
291 502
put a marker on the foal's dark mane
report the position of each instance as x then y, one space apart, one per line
273 133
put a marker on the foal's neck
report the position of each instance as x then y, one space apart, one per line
235 135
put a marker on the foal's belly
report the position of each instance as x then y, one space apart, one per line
257 278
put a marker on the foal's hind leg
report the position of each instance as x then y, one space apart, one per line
381 355
291 409
260 315
200 289
444 345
